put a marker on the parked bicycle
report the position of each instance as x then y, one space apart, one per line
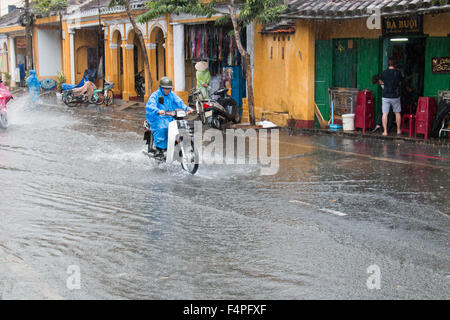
105 95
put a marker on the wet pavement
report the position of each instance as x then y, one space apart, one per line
76 190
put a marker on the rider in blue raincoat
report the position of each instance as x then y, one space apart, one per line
34 86
155 111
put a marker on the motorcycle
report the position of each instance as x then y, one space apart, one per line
139 84
180 145
71 100
5 96
68 96
216 113
104 95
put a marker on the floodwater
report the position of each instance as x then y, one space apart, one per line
77 193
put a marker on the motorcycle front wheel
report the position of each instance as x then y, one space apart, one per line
3 120
70 100
98 100
189 157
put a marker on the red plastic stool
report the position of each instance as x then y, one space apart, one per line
411 125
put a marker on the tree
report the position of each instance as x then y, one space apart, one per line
45 7
138 33
28 35
240 13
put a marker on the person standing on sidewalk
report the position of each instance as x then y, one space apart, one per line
203 78
391 79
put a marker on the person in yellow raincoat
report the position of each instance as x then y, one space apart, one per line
203 78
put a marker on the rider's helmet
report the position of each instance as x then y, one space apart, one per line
166 82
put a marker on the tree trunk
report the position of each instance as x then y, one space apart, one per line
143 48
247 63
28 37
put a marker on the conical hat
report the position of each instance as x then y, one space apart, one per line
201 66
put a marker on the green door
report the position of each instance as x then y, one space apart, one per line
345 62
323 76
436 47
369 64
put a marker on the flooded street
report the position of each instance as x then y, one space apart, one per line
76 190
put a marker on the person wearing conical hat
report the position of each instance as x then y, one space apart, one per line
203 78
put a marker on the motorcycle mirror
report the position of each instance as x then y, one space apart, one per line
161 100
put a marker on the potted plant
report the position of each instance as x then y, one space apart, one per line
60 79
7 79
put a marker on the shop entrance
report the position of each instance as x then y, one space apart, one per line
207 42
409 56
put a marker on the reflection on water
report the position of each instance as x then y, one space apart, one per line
77 190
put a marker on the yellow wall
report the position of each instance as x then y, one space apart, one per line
437 25
124 84
327 30
285 85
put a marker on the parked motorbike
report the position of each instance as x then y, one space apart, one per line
216 113
72 100
180 145
5 96
139 83
105 95
68 96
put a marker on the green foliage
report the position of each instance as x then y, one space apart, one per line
113 3
60 79
44 7
7 78
261 11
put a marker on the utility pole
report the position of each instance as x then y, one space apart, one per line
28 36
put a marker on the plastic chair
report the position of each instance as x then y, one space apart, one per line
411 119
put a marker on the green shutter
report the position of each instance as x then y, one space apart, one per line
436 47
369 64
345 62
323 76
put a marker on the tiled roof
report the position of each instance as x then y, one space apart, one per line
11 18
347 9
284 26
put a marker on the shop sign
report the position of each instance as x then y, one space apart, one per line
21 43
440 65
406 25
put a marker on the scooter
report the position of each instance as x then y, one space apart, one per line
5 96
180 144
69 98
216 113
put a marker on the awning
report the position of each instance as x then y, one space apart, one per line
353 9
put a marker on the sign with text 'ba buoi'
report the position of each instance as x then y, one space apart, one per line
406 25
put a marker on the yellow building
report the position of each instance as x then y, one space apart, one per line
94 36
343 45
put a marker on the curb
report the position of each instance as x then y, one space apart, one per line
359 134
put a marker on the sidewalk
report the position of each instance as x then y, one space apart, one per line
368 134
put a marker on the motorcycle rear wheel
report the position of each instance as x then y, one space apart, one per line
70 100
237 118
108 98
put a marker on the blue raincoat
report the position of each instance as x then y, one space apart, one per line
159 124
34 86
